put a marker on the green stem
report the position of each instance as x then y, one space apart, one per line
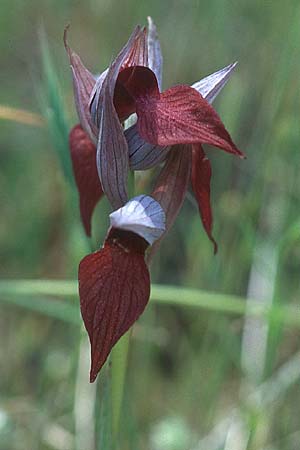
118 359
118 371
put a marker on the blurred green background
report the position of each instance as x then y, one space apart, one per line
201 377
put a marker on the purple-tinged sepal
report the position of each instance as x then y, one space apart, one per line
171 187
201 178
112 148
83 156
210 86
155 58
142 155
83 84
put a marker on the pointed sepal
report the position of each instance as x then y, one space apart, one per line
201 178
155 58
83 84
210 86
112 148
83 156
171 187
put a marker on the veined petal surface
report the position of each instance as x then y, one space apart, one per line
143 215
114 288
182 116
142 155
83 156
133 53
201 177
83 84
155 58
171 186
210 86
112 149
138 55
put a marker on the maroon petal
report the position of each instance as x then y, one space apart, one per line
123 102
181 115
201 176
83 155
114 288
141 84
171 186
134 83
83 83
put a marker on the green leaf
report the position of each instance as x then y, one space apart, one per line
57 309
53 109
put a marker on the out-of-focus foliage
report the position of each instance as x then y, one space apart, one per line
198 379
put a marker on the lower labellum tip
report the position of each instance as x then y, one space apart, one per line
114 288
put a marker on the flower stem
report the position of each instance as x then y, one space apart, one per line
118 372
118 359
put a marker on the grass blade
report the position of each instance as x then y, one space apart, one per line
12 290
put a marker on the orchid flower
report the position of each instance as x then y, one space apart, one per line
105 103
170 126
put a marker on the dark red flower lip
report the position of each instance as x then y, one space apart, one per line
114 282
114 289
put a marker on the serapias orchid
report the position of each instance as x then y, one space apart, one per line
172 125
131 84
